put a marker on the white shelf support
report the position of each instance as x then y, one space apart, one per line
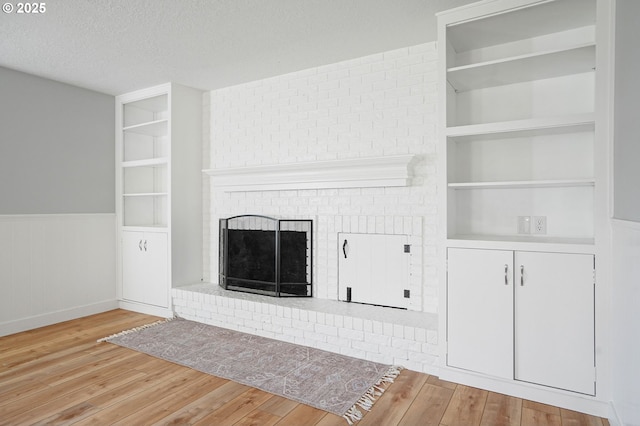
368 172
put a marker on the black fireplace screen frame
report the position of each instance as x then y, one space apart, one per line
267 230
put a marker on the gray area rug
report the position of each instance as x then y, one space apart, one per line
332 382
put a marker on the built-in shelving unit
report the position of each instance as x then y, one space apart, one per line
519 125
158 194
522 186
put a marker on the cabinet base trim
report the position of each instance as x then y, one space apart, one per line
564 399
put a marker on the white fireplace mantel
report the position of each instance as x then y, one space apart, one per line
345 173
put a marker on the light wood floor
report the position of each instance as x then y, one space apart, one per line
59 375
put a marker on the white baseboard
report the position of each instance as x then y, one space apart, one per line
29 323
145 309
614 417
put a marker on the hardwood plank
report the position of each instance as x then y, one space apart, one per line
428 407
49 362
466 407
68 371
164 407
205 405
48 403
128 379
119 394
157 389
302 415
573 418
269 412
69 393
434 380
396 400
32 387
234 410
67 416
538 406
39 342
84 408
278 405
501 410
331 419
531 417
258 418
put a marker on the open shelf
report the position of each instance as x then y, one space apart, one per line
530 67
146 163
524 184
146 194
154 128
145 209
523 23
154 104
532 127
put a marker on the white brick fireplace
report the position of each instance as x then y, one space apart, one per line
383 105
378 108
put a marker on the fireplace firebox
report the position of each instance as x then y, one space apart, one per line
264 255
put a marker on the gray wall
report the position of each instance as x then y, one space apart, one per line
626 204
625 301
56 147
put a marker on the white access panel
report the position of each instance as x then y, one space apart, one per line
373 269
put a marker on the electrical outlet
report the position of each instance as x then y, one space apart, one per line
540 225
524 224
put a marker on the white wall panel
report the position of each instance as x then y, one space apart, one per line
626 321
54 268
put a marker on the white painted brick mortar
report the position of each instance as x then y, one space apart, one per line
382 104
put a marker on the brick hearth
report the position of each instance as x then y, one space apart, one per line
379 334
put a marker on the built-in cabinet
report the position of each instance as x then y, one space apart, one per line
144 267
525 182
158 194
527 316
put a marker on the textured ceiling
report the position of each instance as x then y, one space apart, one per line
115 46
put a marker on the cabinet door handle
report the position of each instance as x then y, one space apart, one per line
521 275
145 245
506 274
344 248
140 245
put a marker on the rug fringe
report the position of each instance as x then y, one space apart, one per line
367 400
133 330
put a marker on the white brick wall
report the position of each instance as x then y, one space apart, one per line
383 104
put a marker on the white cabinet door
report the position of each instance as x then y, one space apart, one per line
554 321
480 311
144 268
375 268
132 265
